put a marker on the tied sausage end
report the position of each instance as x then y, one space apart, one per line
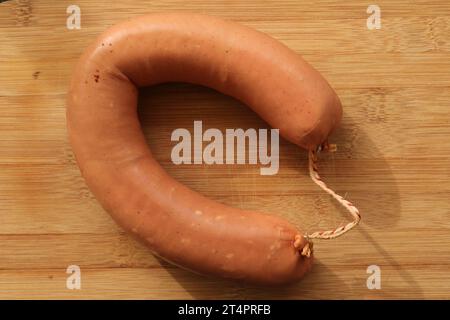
303 245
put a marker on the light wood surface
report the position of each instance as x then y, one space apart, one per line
392 160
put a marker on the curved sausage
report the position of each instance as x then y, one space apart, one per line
175 222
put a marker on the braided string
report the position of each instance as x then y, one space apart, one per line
314 174
339 231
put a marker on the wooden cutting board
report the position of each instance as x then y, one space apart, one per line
392 159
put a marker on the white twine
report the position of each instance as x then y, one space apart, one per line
339 231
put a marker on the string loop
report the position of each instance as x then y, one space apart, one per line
314 174
354 212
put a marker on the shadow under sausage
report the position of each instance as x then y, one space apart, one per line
377 199
359 172
315 285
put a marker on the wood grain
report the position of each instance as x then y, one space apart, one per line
393 159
